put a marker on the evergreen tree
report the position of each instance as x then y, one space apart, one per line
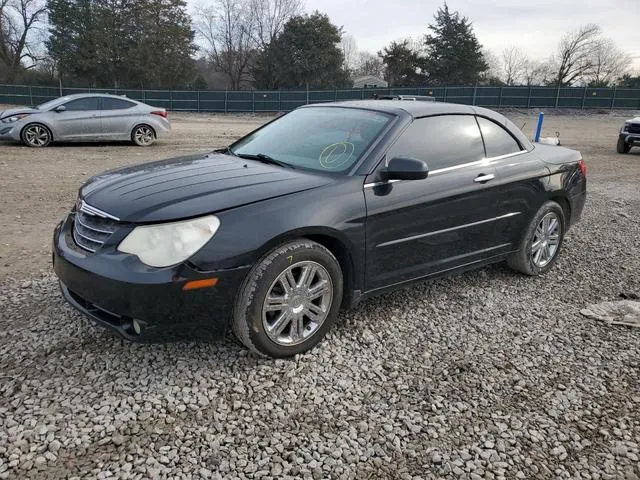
453 53
402 64
305 54
122 43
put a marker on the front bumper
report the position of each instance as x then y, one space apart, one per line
114 289
630 138
10 132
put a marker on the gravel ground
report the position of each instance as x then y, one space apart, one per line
484 375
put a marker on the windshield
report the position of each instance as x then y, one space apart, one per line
51 103
326 139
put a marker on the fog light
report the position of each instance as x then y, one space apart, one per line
137 327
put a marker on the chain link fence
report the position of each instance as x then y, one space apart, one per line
253 101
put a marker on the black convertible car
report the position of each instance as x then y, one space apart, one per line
315 211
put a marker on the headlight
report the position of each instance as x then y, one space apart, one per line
14 118
169 243
626 127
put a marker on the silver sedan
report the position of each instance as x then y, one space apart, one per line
86 118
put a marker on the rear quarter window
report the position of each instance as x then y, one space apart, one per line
116 104
497 140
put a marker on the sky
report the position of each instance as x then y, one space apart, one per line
536 25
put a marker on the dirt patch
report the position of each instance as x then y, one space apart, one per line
39 186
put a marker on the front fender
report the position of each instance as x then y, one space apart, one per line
246 233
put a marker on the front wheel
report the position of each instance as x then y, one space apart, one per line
289 300
143 135
623 147
36 135
541 242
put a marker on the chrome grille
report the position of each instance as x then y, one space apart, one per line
90 230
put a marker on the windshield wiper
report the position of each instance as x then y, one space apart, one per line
261 157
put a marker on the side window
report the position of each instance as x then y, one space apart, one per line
497 140
88 103
442 141
115 104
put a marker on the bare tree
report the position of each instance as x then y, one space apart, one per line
368 64
228 29
538 73
349 51
493 74
514 65
19 20
609 64
574 58
270 18
235 30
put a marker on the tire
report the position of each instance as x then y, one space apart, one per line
271 328
527 260
143 135
36 135
623 147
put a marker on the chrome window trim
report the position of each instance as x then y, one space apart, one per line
483 161
446 230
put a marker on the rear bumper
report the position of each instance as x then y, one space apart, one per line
577 206
106 288
162 127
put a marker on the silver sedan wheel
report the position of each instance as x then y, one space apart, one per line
546 239
36 136
297 303
143 135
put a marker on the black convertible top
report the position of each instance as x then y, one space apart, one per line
425 109
415 109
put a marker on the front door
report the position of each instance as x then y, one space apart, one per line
450 219
80 119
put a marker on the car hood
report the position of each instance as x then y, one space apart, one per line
191 186
15 111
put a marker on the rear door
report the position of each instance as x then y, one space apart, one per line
118 117
422 227
80 119
520 178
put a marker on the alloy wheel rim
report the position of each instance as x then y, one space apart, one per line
297 303
144 135
37 135
546 240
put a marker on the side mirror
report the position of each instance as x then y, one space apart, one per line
401 168
60 108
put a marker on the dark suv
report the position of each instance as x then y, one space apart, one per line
629 135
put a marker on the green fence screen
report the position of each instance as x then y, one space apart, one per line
253 101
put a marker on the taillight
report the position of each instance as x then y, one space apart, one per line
160 113
583 167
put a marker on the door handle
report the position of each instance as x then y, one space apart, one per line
482 178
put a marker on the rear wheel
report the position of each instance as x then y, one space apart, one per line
289 300
623 147
143 135
36 135
541 242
